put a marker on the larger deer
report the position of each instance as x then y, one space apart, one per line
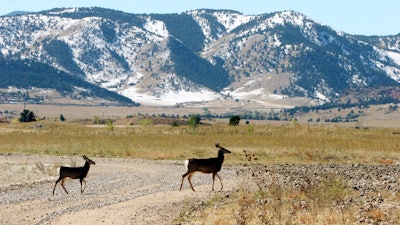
74 173
211 165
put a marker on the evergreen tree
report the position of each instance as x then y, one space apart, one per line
27 116
234 120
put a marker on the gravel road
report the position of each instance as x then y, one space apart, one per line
119 191
135 191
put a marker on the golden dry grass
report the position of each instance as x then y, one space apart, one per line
271 144
329 201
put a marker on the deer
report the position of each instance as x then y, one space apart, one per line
210 165
74 173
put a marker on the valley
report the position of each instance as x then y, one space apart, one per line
375 116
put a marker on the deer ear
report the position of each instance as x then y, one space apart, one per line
84 156
217 145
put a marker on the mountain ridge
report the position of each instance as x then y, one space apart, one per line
204 55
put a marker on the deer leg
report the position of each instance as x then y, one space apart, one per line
56 185
85 185
183 177
189 177
213 177
82 190
62 185
222 186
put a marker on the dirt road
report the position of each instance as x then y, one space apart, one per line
119 191
134 191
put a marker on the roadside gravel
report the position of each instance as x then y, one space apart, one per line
371 190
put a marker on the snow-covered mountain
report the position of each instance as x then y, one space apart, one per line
279 59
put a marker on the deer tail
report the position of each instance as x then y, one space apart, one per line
187 163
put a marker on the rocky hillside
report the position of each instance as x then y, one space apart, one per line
280 59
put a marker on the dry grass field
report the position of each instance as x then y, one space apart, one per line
260 143
272 144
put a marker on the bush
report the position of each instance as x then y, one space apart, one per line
27 116
194 120
234 120
146 122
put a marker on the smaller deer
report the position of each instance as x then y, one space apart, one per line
211 165
74 173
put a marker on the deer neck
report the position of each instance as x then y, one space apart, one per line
86 167
221 156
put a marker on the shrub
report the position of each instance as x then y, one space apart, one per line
146 122
234 120
194 121
27 116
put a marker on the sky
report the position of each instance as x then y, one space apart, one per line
365 17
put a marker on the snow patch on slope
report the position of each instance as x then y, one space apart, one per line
240 93
392 71
231 20
157 27
170 97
